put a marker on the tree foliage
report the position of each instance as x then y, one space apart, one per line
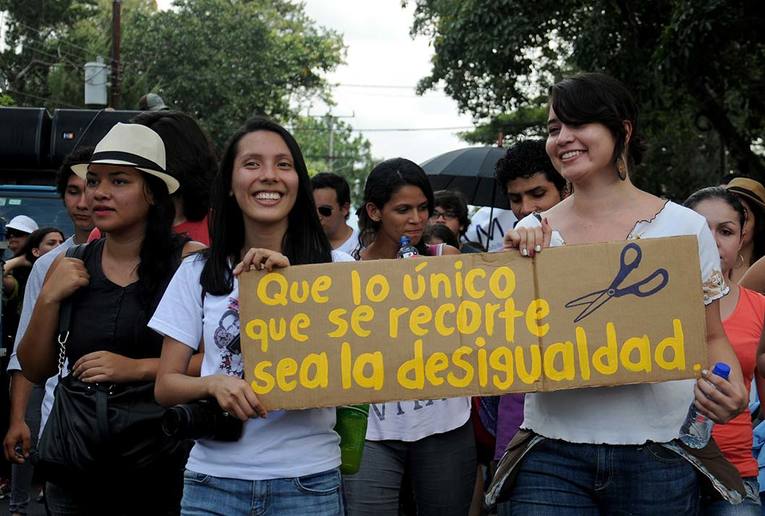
350 157
219 60
696 67
34 43
224 61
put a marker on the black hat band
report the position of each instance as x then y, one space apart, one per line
134 159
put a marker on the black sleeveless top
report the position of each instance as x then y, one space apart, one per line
107 317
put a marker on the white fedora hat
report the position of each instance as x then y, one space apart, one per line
133 145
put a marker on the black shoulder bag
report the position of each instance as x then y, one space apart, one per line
100 432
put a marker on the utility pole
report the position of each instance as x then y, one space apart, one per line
330 118
331 152
116 37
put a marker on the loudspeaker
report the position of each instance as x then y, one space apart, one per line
82 127
24 136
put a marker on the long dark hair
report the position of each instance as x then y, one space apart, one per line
383 181
596 97
190 158
304 241
161 246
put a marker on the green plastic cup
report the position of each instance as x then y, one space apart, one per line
351 425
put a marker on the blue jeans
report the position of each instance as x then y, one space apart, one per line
557 478
318 495
21 474
749 507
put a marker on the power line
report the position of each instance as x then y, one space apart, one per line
390 129
379 86
39 32
61 58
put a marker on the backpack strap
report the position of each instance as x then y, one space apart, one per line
65 312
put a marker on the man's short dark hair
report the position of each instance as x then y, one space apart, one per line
523 160
77 156
452 200
335 182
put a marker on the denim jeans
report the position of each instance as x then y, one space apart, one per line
557 478
21 474
751 505
318 495
442 469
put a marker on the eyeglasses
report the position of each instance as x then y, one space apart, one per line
324 211
448 214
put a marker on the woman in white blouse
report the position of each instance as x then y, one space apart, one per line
612 450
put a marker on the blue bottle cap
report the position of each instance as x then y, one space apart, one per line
721 369
404 240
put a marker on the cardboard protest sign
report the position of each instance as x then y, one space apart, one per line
474 324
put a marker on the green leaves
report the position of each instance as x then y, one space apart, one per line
350 155
695 66
219 60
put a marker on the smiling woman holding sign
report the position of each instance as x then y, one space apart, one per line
285 462
614 450
431 441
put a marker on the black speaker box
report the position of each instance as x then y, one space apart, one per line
82 127
24 136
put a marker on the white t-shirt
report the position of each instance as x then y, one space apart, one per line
481 227
413 420
32 291
286 444
628 414
351 244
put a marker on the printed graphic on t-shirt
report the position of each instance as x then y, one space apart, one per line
382 411
229 350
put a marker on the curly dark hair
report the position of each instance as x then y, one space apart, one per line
525 159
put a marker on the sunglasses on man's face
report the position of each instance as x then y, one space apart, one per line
9 233
324 211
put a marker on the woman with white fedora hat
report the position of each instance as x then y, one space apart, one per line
113 291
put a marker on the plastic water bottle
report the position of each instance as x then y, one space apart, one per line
697 428
406 249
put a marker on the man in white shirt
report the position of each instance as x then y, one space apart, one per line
72 191
332 197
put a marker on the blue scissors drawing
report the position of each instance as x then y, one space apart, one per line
595 300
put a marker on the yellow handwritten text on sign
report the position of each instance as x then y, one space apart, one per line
330 334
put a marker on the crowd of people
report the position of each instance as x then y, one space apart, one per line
139 310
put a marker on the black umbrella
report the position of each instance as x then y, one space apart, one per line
471 171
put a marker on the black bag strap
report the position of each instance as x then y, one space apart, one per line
65 312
